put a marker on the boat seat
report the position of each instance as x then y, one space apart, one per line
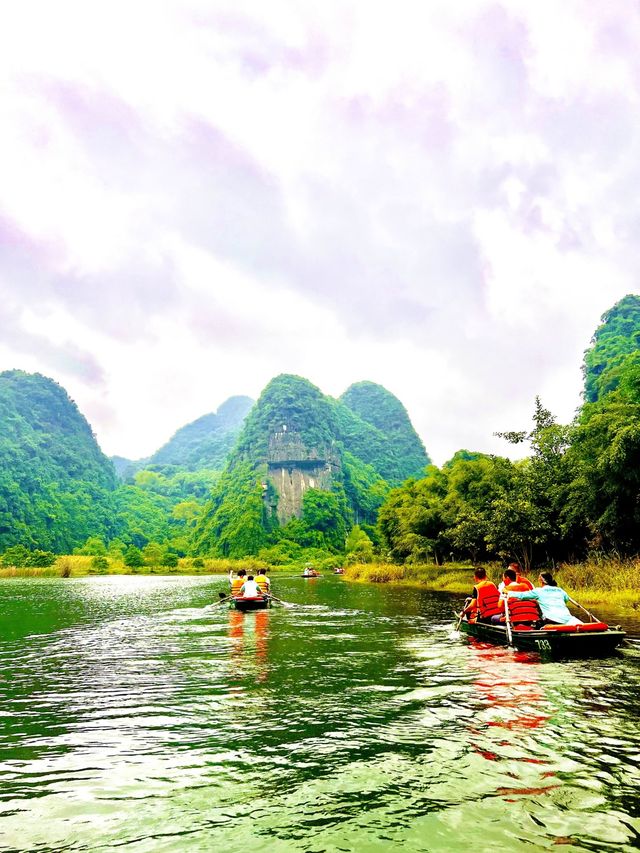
578 629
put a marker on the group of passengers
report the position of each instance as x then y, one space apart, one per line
250 586
544 605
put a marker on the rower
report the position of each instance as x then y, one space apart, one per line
250 588
484 598
236 583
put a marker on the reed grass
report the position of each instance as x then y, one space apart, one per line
609 582
77 565
452 577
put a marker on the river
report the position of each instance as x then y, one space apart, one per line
131 716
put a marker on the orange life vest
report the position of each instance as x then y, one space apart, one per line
522 610
487 599
236 586
263 583
527 583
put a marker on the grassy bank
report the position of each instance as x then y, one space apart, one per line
607 582
83 566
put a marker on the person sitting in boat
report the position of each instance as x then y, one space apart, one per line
250 588
263 581
236 583
520 577
552 600
484 598
523 612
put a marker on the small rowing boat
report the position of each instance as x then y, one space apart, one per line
589 638
310 573
258 602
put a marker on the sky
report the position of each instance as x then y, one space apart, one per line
197 196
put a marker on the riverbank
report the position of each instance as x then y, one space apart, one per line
77 565
609 582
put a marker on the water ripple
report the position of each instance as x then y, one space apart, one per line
134 715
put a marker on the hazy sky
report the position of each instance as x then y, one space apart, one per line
196 196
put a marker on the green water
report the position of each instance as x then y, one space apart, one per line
357 721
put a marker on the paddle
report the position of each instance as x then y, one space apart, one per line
461 614
223 599
590 615
280 601
507 617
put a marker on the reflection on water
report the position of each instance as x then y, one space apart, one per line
133 715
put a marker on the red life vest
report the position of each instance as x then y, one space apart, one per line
522 610
527 583
487 600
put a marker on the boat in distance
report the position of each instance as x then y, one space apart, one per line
258 602
590 639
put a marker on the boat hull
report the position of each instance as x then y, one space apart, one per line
551 643
245 604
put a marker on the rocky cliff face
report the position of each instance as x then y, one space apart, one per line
292 468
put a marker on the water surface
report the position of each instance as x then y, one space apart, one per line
131 715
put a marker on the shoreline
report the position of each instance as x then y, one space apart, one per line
458 579
611 584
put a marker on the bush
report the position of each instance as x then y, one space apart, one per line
17 556
100 563
93 547
197 563
133 557
41 559
170 560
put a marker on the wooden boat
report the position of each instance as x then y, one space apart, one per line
258 602
310 573
590 638
338 571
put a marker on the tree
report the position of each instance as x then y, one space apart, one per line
321 511
358 546
133 557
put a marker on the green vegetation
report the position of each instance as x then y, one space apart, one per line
361 491
242 516
577 493
55 483
205 443
599 581
615 342
398 452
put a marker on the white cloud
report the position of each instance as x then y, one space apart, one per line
196 197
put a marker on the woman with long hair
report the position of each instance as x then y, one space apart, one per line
551 599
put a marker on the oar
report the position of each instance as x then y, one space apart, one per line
507 617
590 615
461 614
280 601
223 599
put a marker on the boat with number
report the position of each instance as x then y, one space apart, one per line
586 639
257 602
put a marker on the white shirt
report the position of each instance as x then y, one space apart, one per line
250 589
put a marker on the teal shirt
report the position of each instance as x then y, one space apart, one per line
553 603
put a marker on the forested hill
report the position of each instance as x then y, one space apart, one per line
614 350
54 480
205 443
390 444
307 467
